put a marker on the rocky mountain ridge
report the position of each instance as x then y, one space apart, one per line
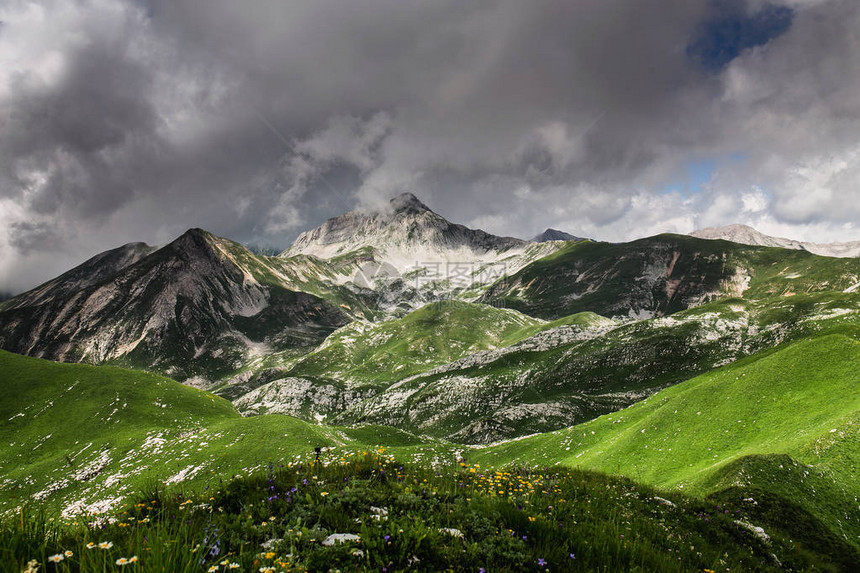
747 235
188 309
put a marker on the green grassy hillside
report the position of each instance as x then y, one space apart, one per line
76 435
82 439
435 334
567 376
718 430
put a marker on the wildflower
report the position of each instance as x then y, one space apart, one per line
323 493
213 569
541 562
122 561
233 566
133 559
572 556
56 558
105 544
32 567
91 545
68 553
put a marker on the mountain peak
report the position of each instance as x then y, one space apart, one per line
555 235
196 232
408 202
195 240
402 235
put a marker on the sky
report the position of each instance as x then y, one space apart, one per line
134 120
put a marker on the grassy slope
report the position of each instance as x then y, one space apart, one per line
404 517
711 432
206 433
306 274
538 388
79 433
433 335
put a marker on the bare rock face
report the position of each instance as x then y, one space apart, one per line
402 234
192 308
408 255
746 235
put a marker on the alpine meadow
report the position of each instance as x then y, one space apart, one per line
266 305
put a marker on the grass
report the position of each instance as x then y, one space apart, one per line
405 517
81 438
789 465
539 387
435 334
801 402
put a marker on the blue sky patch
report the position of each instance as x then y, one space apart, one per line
697 173
731 29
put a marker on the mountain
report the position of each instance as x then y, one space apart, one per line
660 275
555 235
404 233
412 254
724 369
748 236
196 308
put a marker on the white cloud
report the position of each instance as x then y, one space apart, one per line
754 201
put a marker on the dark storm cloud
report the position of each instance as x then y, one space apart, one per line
135 119
84 134
27 237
